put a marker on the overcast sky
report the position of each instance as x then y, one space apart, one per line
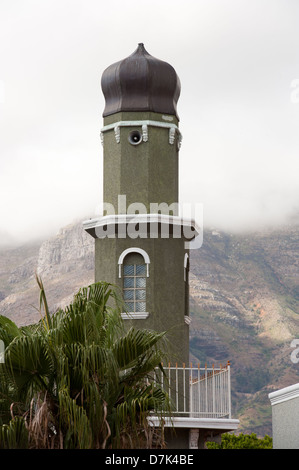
238 62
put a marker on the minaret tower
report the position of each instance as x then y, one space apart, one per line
140 241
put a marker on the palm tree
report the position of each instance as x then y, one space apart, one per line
78 379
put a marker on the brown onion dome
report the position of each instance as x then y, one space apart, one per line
140 83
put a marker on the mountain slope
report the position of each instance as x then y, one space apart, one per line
244 306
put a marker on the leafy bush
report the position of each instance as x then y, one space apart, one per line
242 441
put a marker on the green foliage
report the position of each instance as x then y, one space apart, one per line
14 435
242 441
78 379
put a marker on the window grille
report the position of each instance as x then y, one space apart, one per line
134 287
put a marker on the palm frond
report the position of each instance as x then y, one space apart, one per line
14 435
43 304
78 379
135 344
74 420
8 330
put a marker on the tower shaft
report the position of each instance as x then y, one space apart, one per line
139 242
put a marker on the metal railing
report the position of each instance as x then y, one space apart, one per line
196 391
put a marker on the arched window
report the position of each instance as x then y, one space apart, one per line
134 271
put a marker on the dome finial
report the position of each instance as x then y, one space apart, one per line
140 82
141 49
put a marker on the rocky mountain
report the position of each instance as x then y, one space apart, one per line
65 263
245 306
244 303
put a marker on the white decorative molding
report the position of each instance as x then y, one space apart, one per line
180 140
284 394
167 118
133 250
141 219
134 315
196 423
171 135
144 133
117 134
173 129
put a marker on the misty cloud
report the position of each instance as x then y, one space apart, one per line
236 60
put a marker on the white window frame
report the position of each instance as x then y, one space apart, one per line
186 261
133 250
187 319
140 251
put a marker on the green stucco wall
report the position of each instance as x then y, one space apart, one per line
145 173
165 287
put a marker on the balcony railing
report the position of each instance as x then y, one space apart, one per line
196 391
